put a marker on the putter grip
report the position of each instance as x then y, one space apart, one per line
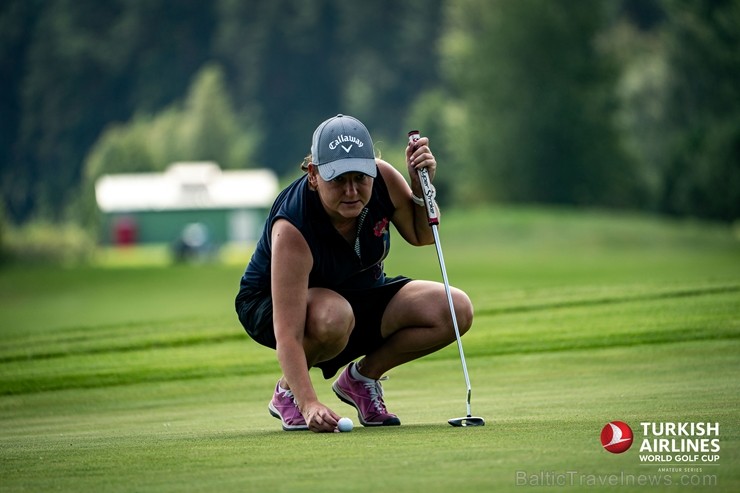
428 191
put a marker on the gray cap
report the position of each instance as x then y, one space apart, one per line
342 144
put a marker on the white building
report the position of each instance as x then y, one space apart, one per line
157 207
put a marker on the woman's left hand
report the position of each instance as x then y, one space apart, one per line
420 156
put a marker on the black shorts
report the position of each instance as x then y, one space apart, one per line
255 314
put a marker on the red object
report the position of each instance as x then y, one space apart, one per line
414 135
616 437
124 231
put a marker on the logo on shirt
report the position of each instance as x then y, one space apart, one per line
380 227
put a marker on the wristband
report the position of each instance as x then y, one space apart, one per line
417 200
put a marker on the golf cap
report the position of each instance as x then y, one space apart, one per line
341 145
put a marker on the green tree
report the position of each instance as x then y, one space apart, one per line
643 101
17 18
538 94
86 64
209 129
300 62
204 128
702 44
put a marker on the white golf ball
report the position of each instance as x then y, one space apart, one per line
345 424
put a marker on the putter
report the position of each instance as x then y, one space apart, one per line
433 216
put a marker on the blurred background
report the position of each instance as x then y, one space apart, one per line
628 104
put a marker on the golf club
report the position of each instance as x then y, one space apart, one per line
433 216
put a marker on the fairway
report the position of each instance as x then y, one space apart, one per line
141 379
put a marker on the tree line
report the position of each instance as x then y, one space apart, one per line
627 103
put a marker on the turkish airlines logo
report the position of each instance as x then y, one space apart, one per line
616 437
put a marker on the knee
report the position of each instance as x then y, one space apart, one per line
463 310
330 322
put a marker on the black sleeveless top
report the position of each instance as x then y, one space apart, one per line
337 264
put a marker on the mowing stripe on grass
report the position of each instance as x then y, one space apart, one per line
648 320
131 346
681 293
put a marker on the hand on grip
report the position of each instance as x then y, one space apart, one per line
428 191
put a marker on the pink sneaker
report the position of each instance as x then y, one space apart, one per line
283 407
367 398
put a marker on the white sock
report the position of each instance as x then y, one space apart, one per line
359 376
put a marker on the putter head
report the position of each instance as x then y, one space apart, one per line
467 421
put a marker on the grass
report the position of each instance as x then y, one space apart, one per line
131 377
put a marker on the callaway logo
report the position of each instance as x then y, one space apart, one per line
345 138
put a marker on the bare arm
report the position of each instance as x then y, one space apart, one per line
291 265
410 219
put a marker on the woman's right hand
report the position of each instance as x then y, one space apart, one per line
319 418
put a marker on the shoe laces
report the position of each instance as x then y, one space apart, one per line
289 394
375 389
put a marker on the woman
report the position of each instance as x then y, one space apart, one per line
315 289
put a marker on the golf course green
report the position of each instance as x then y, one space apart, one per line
126 376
